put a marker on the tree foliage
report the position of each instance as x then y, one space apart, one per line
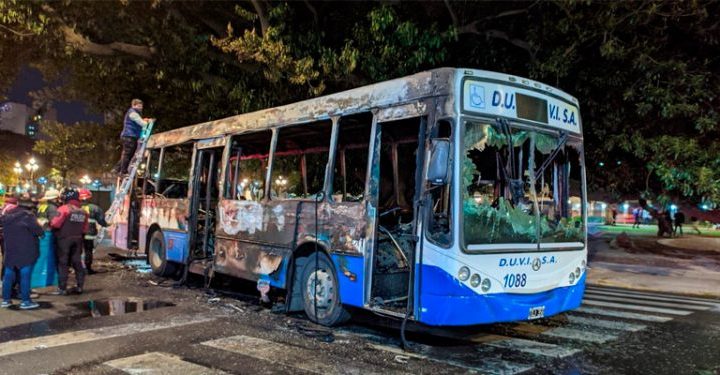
79 149
644 72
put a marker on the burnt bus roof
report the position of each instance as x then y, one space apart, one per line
436 82
397 91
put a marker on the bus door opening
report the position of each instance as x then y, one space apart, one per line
206 194
395 232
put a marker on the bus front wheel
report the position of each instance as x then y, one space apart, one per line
157 256
321 294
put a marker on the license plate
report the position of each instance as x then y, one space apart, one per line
536 312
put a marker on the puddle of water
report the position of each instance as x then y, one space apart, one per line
139 265
118 306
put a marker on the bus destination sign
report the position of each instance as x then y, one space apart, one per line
514 102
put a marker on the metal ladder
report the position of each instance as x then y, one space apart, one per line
123 187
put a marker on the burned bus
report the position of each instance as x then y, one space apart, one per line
449 197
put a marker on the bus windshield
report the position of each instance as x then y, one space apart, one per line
520 186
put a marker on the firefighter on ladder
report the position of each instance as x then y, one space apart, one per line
133 126
95 216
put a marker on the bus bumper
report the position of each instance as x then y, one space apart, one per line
458 305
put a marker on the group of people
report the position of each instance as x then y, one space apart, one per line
70 217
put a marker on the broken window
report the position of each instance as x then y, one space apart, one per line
151 172
515 181
175 171
247 166
300 160
352 158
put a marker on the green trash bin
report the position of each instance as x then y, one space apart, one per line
45 270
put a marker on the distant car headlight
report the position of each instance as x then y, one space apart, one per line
572 277
486 284
577 272
475 280
464 273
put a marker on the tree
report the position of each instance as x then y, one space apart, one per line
75 150
645 73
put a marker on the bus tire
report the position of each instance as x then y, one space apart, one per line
330 311
157 256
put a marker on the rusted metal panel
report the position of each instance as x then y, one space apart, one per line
379 95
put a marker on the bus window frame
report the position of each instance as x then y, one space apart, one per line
512 248
454 126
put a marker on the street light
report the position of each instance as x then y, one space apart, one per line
18 170
85 180
32 166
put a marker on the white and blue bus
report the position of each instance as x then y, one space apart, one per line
452 197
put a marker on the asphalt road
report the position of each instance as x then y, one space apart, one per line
616 331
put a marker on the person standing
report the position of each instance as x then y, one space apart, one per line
637 215
48 209
95 216
20 243
679 221
70 226
133 125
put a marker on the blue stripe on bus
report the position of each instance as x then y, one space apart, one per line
446 301
176 245
350 275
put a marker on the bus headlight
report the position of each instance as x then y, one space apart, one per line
572 277
577 272
486 285
464 273
475 280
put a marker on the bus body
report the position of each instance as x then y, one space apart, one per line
452 196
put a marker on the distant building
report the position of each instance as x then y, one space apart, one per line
22 119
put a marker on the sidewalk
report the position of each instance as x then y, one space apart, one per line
687 265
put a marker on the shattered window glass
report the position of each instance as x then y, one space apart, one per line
517 186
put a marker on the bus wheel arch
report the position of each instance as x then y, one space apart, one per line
311 267
157 254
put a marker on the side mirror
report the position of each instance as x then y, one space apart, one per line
439 168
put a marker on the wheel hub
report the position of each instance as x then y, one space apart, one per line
323 290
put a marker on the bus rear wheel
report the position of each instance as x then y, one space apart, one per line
157 256
321 293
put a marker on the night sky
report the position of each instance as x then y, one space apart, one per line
30 79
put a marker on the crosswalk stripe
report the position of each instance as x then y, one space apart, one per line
89 335
160 364
275 352
492 366
645 302
652 294
609 324
621 314
580 335
533 347
637 307
653 297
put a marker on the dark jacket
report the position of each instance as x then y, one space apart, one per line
20 237
130 127
71 222
96 216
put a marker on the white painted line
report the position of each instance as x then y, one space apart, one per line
644 302
622 314
636 307
278 353
534 347
488 366
652 294
89 335
579 335
609 324
159 364
653 297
